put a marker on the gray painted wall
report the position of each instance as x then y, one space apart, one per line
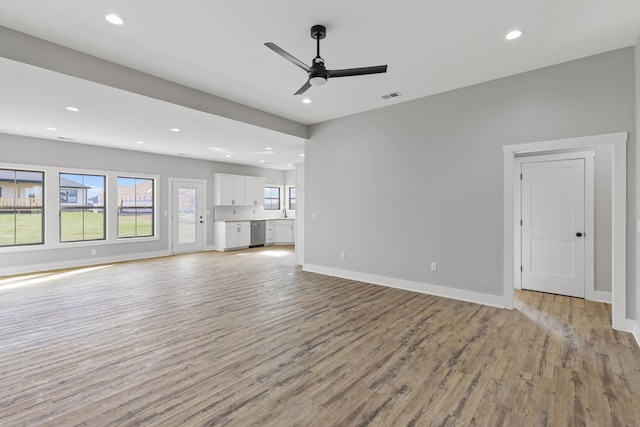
421 181
637 160
38 152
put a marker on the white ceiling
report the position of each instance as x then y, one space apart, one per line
217 47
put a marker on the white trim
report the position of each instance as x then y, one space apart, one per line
600 296
633 327
618 142
589 226
33 268
424 288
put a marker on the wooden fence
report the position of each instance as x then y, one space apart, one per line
21 202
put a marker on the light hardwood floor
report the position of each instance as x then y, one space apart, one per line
247 338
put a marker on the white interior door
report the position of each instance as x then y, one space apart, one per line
553 227
188 216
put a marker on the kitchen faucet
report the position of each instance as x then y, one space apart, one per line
285 212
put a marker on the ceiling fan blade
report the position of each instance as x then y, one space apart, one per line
303 89
287 56
357 71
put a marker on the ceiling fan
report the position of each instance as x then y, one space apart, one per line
318 74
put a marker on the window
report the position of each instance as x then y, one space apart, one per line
21 207
292 198
68 196
271 198
82 207
135 207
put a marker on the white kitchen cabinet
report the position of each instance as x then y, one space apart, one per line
238 190
270 232
254 191
284 232
231 235
228 189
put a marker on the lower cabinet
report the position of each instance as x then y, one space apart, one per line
231 235
284 232
270 232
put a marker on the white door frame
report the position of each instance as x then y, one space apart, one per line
589 237
618 144
204 201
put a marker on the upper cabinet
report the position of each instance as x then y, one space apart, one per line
238 190
254 191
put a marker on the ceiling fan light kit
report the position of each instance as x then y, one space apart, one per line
317 72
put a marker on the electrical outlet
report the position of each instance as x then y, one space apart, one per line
434 266
314 216
93 251
342 254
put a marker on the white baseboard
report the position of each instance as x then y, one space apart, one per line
33 268
425 288
633 327
599 296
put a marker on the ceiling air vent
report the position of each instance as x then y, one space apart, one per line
391 95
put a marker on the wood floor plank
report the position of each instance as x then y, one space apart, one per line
247 338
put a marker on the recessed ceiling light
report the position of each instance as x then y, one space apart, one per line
306 101
290 165
139 142
74 109
268 148
175 130
301 155
114 19
513 35
261 161
50 128
228 155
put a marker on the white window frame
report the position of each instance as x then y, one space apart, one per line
281 197
52 208
287 187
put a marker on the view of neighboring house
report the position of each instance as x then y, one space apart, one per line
22 189
73 193
138 194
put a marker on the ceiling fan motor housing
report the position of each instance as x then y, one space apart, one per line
318 73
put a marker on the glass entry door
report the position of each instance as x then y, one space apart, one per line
188 216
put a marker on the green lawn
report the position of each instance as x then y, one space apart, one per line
75 225
135 225
78 225
29 226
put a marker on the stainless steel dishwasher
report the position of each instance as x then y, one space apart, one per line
257 233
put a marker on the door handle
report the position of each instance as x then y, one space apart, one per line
579 234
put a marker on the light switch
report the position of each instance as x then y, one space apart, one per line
314 216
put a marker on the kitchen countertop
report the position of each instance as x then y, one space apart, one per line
267 219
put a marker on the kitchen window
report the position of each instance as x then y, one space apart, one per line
21 207
271 198
292 198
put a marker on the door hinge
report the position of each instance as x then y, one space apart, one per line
520 269
520 222
521 177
